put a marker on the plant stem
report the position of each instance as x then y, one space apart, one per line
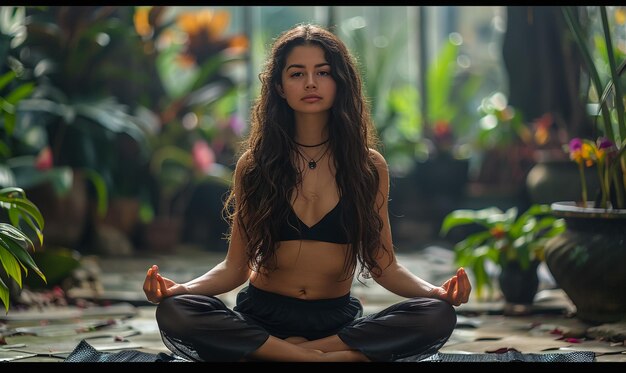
583 183
604 183
614 167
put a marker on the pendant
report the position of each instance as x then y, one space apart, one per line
312 165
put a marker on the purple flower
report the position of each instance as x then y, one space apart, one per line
604 143
575 144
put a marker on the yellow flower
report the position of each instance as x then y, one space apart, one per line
140 18
600 154
583 155
620 16
205 30
146 19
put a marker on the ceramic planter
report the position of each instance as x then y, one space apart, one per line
588 261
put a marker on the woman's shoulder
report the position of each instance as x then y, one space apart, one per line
244 159
242 164
378 158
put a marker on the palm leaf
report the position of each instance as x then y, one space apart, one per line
16 248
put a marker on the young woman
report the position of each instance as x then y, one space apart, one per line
308 212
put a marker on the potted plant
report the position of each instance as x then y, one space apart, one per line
513 243
19 220
426 136
195 122
118 77
608 151
586 260
444 128
74 116
179 165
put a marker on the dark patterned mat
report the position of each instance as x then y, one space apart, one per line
514 356
85 353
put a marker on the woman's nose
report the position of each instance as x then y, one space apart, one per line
310 82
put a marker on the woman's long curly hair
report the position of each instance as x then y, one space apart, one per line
270 174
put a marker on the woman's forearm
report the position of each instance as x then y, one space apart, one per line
400 281
220 279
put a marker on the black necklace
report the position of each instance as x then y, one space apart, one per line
312 161
312 146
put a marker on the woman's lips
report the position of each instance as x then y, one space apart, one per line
311 98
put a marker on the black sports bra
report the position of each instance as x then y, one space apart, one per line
329 229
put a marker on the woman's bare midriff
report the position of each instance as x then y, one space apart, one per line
307 270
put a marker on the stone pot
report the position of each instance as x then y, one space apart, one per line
551 180
519 285
587 261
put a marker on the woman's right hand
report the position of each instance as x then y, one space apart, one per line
157 287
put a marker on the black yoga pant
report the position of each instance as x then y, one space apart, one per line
203 328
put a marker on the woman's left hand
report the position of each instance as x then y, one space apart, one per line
456 290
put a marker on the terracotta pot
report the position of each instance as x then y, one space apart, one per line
587 261
122 214
162 235
65 216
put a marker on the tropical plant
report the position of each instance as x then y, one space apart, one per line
195 120
501 237
450 117
447 126
179 163
604 64
26 158
15 242
394 102
78 57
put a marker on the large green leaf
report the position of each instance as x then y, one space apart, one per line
58 109
17 244
6 78
10 264
13 198
113 117
4 294
485 217
579 36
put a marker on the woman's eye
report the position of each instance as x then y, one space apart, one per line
324 73
296 74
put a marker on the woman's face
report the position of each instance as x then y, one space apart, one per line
307 84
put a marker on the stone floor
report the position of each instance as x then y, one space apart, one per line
112 314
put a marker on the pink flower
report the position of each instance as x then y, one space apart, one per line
203 156
44 159
556 331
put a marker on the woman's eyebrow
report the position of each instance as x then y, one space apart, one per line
299 66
